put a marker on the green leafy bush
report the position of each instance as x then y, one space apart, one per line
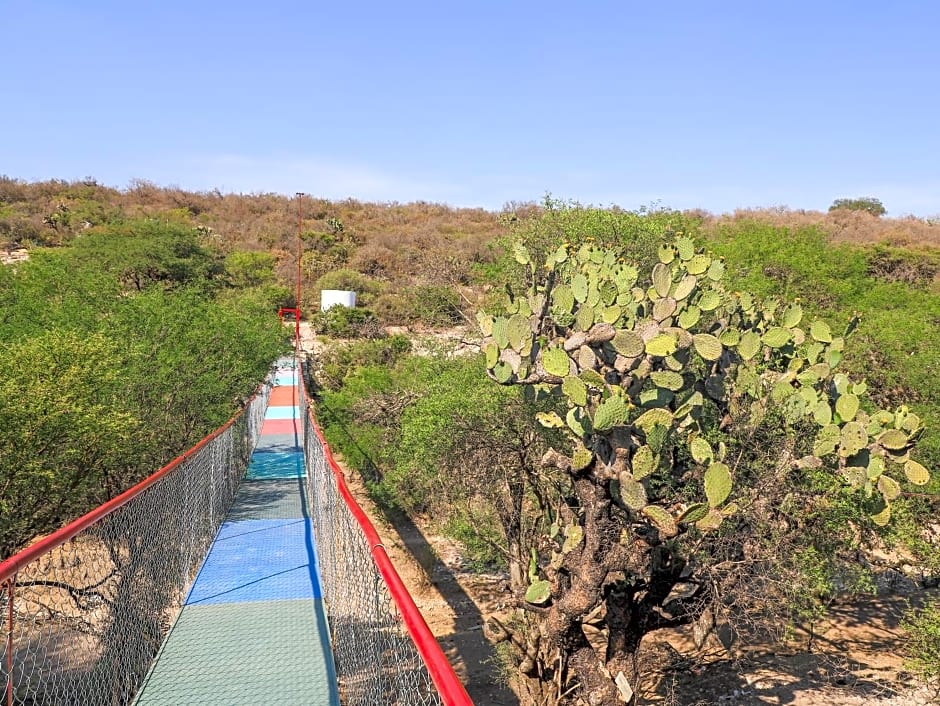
864 203
922 644
432 306
365 287
347 322
101 384
339 361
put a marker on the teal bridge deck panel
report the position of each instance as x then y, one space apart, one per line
252 629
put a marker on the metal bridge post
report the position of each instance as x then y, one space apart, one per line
11 582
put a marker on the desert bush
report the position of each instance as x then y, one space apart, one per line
922 641
434 438
249 268
346 322
365 287
430 306
101 385
342 360
868 204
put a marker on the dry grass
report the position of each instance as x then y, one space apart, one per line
855 227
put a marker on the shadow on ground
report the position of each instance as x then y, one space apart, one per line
854 660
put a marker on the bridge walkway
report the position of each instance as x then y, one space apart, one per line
253 628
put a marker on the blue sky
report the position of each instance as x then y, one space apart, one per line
716 105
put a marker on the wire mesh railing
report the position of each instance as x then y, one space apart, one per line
85 610
382 648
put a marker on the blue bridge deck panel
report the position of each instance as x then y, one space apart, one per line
253 629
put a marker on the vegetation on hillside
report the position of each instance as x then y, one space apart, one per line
104 335
117 352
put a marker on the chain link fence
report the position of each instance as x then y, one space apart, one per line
85 610
382 648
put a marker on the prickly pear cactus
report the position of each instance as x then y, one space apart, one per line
638 358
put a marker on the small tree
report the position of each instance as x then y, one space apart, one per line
864 203
713 454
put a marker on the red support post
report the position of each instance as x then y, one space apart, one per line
300 225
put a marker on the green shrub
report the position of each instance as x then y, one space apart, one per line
346 322
863 203
339 362
365 287
432 306
898 333
922 647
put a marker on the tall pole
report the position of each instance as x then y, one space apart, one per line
300 222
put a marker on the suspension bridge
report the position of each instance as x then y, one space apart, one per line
243 572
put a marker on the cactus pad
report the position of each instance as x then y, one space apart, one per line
501 331
662 279
662 345
847 406
749 345
502 372
701 450
822 413
575 390
791 316
611 413
717 484
581 458
556 362
694 513
644 462
889 488
819 330
854 439
651 418
707 346
689 317
579 288
685 247
776 337
574 534
539 593
916 473
593 379
684 287
711 521
662 519
664 308
883 517
562 299
632 492
709 301
893 439
698 264
628 343
518 331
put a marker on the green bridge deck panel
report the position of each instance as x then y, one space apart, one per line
243 653
253 629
